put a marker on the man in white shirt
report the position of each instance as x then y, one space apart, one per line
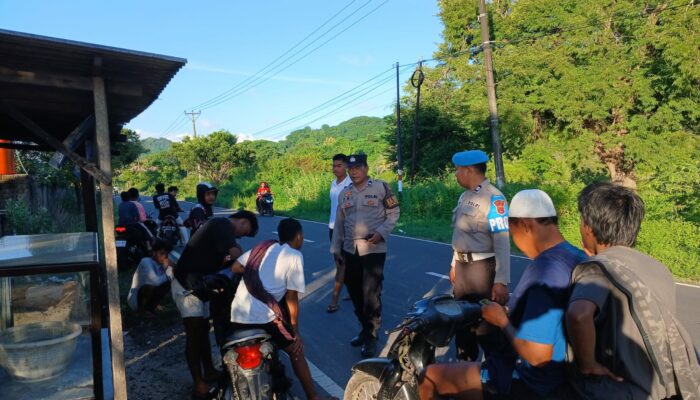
281 273
340 170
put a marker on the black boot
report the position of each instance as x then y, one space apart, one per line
369 348
358 340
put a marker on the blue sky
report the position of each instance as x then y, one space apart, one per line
226 42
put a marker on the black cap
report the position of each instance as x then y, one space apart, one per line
357 160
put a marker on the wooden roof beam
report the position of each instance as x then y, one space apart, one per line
47 138
63 81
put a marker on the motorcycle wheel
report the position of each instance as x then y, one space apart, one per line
361 386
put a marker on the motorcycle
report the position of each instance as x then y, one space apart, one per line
133 243
431 323
250 358
169 231
265 205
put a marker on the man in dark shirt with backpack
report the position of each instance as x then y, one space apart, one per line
205 254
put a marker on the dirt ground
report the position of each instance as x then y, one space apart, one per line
154 350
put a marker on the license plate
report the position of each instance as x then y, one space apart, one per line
121 243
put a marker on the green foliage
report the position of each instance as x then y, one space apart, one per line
127 152
37 165
156 145
22 221
146 172
214 156
627 72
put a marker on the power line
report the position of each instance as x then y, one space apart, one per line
250 82
193 116
556 32
324 104
353 97
281 55
348 104
276 72
172 124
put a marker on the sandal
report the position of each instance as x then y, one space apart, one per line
332 308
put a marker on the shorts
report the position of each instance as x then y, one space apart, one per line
500 381
280 341
189 305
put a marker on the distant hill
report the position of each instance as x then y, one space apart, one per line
358 128
156 145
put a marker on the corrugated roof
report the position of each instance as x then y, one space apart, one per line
50 80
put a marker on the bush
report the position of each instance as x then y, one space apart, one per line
21 220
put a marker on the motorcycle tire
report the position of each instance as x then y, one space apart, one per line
361 386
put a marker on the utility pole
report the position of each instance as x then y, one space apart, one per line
416 81
399 157
491 94
193 116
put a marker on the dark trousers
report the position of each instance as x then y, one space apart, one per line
473 282
363 278
150 296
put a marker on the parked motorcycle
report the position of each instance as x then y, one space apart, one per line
431 323
250 358
133 243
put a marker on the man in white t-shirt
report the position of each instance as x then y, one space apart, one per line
340 170
281 273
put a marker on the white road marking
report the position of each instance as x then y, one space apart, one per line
441 276
325 382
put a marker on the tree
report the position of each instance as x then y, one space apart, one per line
124 153
613 72
215 156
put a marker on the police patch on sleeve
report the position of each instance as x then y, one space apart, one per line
498 214
389 198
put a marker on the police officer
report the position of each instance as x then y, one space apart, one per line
367 213
480 240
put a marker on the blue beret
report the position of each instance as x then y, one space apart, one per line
469 157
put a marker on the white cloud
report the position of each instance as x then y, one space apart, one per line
244 137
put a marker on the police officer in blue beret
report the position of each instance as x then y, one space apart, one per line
480 266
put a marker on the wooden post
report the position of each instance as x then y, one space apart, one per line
105 164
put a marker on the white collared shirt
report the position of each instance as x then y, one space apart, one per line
335 192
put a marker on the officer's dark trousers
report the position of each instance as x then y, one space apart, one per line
363 278
473 282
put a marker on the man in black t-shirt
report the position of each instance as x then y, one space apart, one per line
206 254
165 203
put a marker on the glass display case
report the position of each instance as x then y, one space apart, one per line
50 317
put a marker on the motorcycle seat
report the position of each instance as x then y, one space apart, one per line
244 335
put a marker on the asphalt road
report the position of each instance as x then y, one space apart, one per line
414 268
